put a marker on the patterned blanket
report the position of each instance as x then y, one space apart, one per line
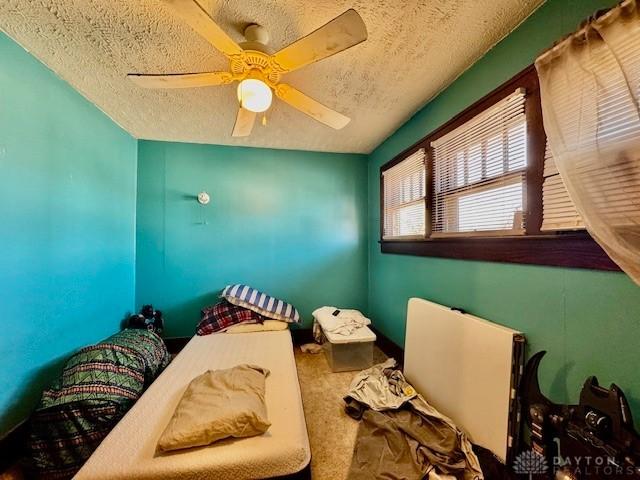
97 387
223 315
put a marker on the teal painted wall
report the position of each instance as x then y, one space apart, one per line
294 224
67 217
589 321
290 223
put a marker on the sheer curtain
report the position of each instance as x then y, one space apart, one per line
590 89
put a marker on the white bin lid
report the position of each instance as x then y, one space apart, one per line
361 335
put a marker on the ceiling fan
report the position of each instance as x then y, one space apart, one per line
258 69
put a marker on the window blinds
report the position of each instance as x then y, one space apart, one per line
558 211
404 197
479 173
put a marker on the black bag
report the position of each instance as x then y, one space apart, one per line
147 319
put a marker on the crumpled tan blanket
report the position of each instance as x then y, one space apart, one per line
401 436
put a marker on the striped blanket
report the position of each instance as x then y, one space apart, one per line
266 305
97 387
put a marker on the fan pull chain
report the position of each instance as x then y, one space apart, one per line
264 120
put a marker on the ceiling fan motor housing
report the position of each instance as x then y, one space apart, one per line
257 39
257 33
256 61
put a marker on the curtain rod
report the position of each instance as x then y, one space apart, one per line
582 29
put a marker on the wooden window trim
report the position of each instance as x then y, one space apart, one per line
565 249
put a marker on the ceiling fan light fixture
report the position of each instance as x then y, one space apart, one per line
254 95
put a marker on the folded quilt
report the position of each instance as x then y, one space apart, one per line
224 315
344 322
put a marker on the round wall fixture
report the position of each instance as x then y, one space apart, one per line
203 198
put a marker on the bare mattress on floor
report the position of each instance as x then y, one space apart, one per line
129 451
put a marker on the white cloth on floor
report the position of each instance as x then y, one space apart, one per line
344 323
311 348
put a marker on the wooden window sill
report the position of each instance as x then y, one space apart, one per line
574 250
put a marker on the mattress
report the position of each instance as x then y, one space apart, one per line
129 451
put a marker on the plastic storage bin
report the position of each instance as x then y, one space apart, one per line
353 352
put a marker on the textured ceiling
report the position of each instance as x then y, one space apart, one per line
415 49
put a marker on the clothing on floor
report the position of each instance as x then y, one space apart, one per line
354 408
402 436
447 428
311 348
492 467
344 322
382 449
412 442
381 387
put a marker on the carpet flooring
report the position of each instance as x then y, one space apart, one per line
332 433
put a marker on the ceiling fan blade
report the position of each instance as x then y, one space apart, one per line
244 123
192 13
180 80
311 107
339 34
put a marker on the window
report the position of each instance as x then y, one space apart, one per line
559 212
479 173
404 197
484 187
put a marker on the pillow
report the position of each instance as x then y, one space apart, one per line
219 404
267 326
265 305
223 315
